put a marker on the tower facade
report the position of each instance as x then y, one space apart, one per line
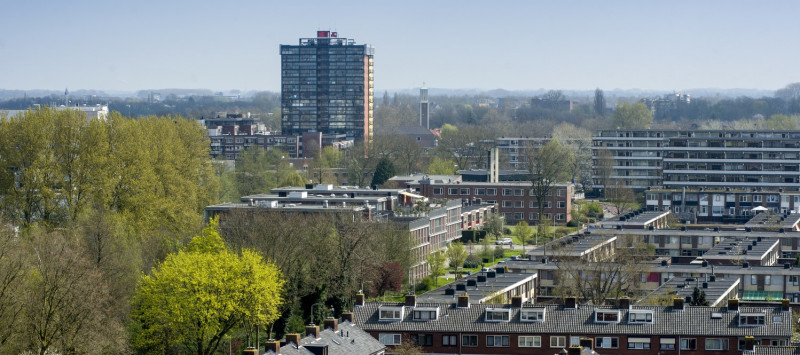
424 109
327 86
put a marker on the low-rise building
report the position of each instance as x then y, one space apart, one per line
333 339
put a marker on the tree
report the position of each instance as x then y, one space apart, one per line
11 280
383 171
546 166
439 166
195 297
621 197
493 225
456 255
389 278
599 103
781 122
699 297
633 116
436 266
604 167
579 141
608 276
522 231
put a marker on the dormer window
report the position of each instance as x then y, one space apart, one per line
425 314
498 315
606 316
532 315
390 314
640 317
752 319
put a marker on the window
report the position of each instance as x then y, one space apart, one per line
529 341
767 279
560 192
424 314
744 198
497 315
469 340
389 339
667 344
606 342
496 340
606 316
519 192
390 313
793 280
507 203
533 216
558 342
535 315
688 344
638 343
480 192
449 340
751 319
491 192
560 216
464 191
753 279
438 190
639 317
716 344
756 198
507 192
519 204
452 191
561 204
422 339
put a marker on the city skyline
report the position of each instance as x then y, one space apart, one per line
575 45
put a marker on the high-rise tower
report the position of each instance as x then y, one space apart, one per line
424 113
327 86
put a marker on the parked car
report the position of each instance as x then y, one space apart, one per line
504 241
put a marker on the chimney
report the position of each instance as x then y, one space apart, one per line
347 317
293 338
312 331
749 343
712 278
516 301
250 351
411 300
359 299
574 350
785 305
677 303
733 305
272 345
331 323
463 301
587 343
570 302
625 303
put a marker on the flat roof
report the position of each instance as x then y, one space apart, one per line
573 245
716 291
773 220
482 291
741 248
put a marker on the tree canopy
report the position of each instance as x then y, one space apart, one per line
198 295
633 116
383 172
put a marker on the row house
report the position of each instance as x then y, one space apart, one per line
462 327
515 200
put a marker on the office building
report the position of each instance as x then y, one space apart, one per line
327 86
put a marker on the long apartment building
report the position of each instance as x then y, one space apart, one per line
727 205
699 158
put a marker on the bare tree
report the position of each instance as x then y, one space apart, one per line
621 197
616 275
547 168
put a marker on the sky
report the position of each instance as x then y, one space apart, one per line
513 45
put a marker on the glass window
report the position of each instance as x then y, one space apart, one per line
449 340
491 192
497 340
558 341
529 341
389 339
638 343
497 315
688 344
606 342
438 191
469 340
716 344
536 315
667 344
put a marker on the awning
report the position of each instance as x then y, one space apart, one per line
412 195
638 340
667 340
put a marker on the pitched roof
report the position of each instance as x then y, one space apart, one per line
348 340
692 320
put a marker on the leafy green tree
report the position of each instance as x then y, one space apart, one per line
633 116
436 266
699 297
456 255
522 231
781 122
202 293
383 172
439 166
493 225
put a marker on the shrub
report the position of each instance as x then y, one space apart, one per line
506 231
472 261
425 285
499 253
572 223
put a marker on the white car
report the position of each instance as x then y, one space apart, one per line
504 241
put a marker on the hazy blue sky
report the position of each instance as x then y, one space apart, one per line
517 45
